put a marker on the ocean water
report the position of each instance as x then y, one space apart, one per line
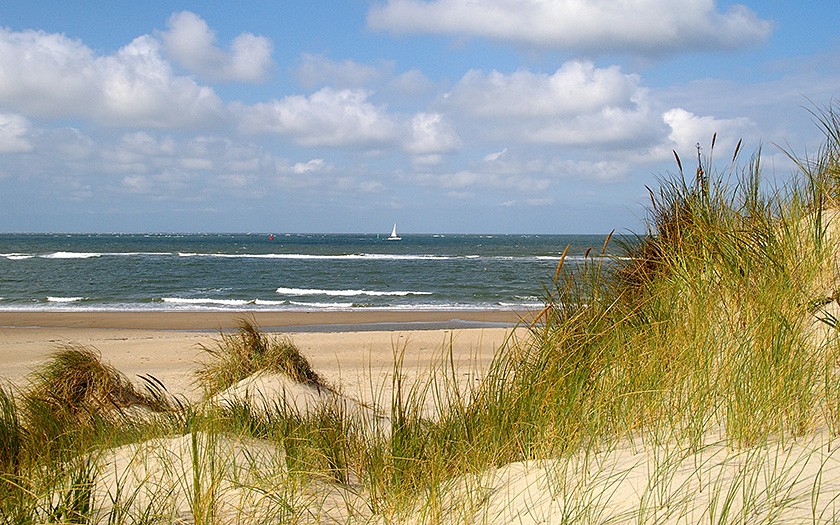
281 272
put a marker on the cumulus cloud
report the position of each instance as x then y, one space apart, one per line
688 129
432 133
328 117
45 74
642 26
579 104
191 43
13 134
49 75
577 87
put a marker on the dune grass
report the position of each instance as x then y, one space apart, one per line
705 360
238 355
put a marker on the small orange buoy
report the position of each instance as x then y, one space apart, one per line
270 236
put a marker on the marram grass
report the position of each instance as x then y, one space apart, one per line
236 356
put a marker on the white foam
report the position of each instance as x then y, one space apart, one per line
16 256
263 302
349 256
346 293
71 255
322 305
65 299
207 300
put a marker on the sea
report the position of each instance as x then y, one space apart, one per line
303 272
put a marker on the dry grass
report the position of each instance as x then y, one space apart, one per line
238 355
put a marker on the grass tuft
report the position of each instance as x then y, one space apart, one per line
75 379
238 355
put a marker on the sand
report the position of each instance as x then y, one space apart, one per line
342 346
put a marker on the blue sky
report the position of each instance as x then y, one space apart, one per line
470 116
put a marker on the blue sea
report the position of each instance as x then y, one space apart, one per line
281 272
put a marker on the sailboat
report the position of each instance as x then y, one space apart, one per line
394 236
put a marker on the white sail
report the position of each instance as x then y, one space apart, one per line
394 236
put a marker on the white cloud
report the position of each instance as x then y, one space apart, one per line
46 74
432 133
493 157
616 126
577 87
191 43
146 144
13 134
645 26
579 104
688 129
139 89
318 70
311 166
49 75
328 117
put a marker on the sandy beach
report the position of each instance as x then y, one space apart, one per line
342 346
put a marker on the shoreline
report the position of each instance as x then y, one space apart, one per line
330 321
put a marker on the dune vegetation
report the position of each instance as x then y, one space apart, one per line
693 378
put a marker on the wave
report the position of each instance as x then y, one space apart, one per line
346 293
206 300
527 306
80 255
349 256
263 302
332 306
91 255
71 255
65 299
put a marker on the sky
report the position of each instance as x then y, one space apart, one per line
443 116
